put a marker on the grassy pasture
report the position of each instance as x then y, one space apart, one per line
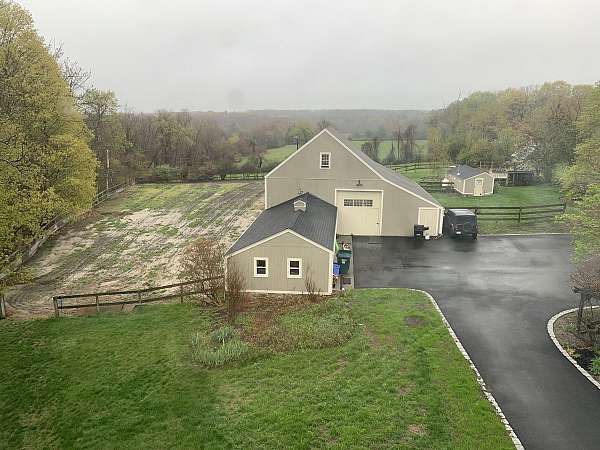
276 155
134 240
386 145
129 381
539 194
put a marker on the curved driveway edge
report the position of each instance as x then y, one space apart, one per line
498 293
550 327
480 379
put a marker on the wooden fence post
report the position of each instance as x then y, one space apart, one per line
2 306
97 304
139 294
519 218
181 293
55 302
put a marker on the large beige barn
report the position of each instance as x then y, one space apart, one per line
361 197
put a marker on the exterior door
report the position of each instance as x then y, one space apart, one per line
478 189
359 212
430 217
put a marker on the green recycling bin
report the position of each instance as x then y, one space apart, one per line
343 259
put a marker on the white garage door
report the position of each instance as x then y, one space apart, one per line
359 212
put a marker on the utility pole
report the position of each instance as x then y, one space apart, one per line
107 170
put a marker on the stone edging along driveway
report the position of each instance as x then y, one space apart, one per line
517 443
551 322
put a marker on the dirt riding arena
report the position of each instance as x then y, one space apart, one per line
134 240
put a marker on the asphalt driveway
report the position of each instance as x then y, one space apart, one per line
498 293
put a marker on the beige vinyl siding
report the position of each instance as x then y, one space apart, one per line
488 184
467 187
459 183
302 173
315 261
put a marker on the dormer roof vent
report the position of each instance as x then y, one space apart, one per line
300 205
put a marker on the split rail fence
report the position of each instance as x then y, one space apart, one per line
228 177
21 256
132 296
517 213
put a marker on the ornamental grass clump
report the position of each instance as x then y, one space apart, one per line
222 346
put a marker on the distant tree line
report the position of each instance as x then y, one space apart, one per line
533 127
553 129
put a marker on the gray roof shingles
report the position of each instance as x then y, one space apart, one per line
317 223
389 174
463 172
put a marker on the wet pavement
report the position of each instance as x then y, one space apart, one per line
498 294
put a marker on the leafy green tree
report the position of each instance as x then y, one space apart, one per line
301 130
585 172
438 148
581 181
46 166
584 222
108 142
533 126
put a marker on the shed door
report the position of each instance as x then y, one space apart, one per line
359 212
478 190
430 217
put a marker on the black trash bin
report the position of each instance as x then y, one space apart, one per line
419 231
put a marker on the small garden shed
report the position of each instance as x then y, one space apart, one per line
286 246
471 181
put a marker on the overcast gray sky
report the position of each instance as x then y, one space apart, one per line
299 54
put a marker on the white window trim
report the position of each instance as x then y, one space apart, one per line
321 160
260 275
299 267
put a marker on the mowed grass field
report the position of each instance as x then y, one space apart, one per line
276 155
534 195
386 145
134 240
128 380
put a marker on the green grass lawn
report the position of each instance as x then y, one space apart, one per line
386 145
274 155
128 381
277 155
539 194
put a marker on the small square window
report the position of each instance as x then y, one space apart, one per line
261 267
348 202
294 268
325 159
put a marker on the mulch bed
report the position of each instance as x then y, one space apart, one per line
579 345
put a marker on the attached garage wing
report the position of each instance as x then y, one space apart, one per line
359 212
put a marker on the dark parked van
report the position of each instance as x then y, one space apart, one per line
460 222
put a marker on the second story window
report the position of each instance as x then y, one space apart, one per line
325 160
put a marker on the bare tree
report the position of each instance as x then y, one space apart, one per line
235 294
203 260
76 77
586 276
410 135
398 134
323 123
